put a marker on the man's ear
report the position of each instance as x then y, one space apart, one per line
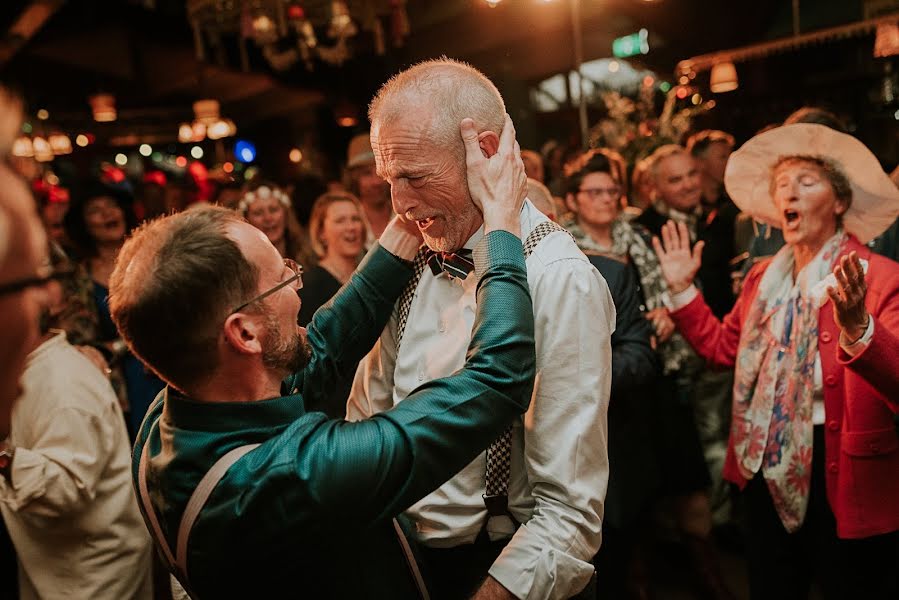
244 333
489 143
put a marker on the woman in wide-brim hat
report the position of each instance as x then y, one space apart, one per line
814 339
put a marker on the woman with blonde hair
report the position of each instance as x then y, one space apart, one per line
338 231
268 208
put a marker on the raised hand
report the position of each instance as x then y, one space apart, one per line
498 184
679 263
848 297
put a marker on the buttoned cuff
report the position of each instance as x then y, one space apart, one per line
681 299
856 348
530 568
497 248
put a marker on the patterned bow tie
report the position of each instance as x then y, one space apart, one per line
455 264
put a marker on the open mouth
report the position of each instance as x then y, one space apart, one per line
791 217
112 224
425 223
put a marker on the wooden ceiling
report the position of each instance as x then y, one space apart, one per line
57 53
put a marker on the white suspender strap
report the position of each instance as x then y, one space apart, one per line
149 513
178 563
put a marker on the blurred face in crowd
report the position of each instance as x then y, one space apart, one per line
597 201
714 161
372 189
53 214
105 220
343 231
267 215
428 184
533 165
24 257
283 341
808 206
677 182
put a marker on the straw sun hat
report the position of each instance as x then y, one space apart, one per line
875 198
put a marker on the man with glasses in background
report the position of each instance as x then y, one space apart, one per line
248 495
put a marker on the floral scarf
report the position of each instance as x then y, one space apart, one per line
774 379
629 245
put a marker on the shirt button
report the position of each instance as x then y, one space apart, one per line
826 337
833 425
832 467
442 326
421 375
830 380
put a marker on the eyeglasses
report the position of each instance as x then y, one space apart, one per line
45 275
593 193
297 277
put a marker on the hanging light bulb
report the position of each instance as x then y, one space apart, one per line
724 78
886 42
103 107
23 147
185 133
42 150
60 143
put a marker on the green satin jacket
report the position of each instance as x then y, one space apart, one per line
308 513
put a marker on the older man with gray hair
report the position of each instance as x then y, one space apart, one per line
523 520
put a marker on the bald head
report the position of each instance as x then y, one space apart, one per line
541 198
450 91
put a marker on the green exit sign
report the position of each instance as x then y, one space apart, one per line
631 45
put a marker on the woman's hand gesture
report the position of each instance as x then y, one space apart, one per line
848 297
679 264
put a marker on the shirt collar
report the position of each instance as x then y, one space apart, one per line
185 413
526 227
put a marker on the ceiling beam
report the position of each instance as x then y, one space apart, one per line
26 26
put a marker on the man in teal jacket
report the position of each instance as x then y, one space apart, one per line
298 503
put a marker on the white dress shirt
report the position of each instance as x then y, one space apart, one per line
71 510
559 468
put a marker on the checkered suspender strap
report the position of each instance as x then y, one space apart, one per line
178 562
499 453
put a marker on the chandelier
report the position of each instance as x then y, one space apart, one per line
289 31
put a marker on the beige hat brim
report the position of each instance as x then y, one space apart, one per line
875 199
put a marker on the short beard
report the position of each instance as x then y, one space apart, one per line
457 230
288 354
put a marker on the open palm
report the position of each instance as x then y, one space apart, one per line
679 263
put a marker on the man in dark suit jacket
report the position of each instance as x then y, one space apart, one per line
633 481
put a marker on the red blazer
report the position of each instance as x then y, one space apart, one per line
861 394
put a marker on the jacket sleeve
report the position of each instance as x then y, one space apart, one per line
717 341
342 332
58 474
350 474
877 362
633 360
